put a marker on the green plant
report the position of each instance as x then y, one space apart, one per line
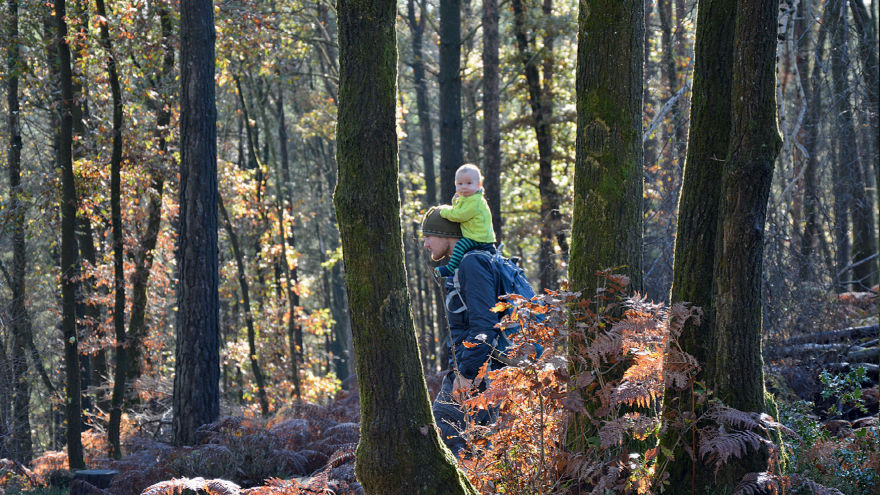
846 388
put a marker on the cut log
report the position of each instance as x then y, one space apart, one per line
851 333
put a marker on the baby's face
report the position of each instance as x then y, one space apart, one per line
467 183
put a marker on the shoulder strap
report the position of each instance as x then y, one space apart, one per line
456 285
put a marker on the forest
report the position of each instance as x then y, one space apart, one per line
214 278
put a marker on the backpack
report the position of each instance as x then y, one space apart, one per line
509 279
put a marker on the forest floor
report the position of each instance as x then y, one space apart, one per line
309 448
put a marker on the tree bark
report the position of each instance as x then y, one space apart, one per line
607 221
745 189
21 448
197 373
699 202
400 450
451 144
69 251
492 115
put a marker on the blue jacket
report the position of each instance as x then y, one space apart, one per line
476 277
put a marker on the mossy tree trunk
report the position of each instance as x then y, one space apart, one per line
607 221
745 190
699 206
719 247
400 450
197 372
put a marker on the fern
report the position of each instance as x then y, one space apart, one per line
759 483
719 444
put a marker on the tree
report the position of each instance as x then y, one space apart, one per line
745 189
451 147
116 219
69 251
400 450
541 103
197 372
491 115
607 221
851 200
21 448
723 208
700 200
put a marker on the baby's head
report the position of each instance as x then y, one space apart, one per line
468 180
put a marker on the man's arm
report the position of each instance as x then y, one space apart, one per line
477 282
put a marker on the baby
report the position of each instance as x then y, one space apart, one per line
470 209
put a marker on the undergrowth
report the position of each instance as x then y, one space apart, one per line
609 359
615 377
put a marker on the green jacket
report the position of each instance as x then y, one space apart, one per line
474 216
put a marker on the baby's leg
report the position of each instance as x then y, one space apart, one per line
461 248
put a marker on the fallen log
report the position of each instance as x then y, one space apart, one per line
813 350
871 355
851 333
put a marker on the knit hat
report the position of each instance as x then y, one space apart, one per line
436 225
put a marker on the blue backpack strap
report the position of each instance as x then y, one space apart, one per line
456 285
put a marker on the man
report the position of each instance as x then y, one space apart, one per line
470 320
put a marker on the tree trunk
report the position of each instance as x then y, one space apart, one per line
451 152
248 316
871 76
607 221
745 189
140 280
289 273
116 402
492 115
851 185
423 108
21 448
813 95
68 246
400 450
540 102
699 203
197 373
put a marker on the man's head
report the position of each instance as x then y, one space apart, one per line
468 180
440 234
